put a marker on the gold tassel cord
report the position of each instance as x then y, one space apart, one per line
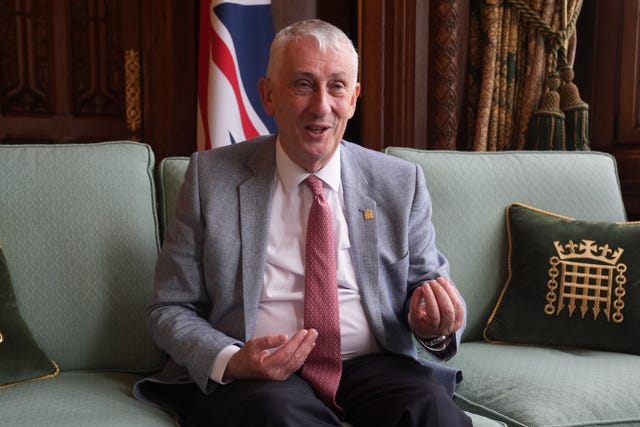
576 112
562 119
546 127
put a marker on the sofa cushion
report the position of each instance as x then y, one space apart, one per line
571 283
79 399
21 359
537 386
82 226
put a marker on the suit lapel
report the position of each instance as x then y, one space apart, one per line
255 207
360 213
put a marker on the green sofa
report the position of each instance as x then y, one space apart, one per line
524 385
79 230
81 226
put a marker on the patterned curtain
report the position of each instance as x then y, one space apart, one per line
520 89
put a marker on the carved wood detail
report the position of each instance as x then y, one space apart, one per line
446 58
133 91
97 61
26 54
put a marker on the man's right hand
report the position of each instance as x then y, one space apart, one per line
257 359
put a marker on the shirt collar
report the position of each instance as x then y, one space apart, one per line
292 175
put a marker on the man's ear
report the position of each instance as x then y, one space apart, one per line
264 87
354 99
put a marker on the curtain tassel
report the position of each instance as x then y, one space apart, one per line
576 112
546 127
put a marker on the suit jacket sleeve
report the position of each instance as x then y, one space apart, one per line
422 238
178 315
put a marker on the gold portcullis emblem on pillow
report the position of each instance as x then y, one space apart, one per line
590 278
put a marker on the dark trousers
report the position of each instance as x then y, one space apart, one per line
375 390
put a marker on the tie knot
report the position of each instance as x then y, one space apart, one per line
315 184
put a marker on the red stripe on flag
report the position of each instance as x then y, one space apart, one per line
224 60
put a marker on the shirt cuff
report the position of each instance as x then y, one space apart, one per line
220 364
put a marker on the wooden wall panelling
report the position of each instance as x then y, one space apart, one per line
629 172
62 67
97 61
607 73
596 68
627 147
372 107
285 12
406 87
62 77
629 117
27 73
393 48
170 34
26 47
95 33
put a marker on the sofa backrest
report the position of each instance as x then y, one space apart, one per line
170 176
79 230
470 191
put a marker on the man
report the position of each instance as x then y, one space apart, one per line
231 282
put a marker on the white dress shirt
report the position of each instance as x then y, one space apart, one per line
282 299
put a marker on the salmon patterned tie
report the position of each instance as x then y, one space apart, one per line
323 367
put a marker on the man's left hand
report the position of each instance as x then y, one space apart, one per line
436 309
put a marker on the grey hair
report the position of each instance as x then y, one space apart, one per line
326 35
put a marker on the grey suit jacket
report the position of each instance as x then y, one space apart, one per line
210 272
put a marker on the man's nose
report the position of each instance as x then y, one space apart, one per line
320 102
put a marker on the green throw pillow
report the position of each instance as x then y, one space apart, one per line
571 283
21 360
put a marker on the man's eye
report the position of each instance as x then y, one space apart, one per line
337 88
302 87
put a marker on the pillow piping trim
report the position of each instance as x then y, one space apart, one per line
53 374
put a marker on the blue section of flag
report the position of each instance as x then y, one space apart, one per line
251 28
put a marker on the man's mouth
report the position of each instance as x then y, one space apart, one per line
316 129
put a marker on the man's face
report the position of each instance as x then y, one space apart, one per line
311 94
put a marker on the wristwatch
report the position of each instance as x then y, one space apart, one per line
437 343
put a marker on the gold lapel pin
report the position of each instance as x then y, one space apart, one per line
368 214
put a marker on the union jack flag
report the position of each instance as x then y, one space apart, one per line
233 54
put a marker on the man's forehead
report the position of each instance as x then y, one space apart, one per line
311 44
313 76
333 63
